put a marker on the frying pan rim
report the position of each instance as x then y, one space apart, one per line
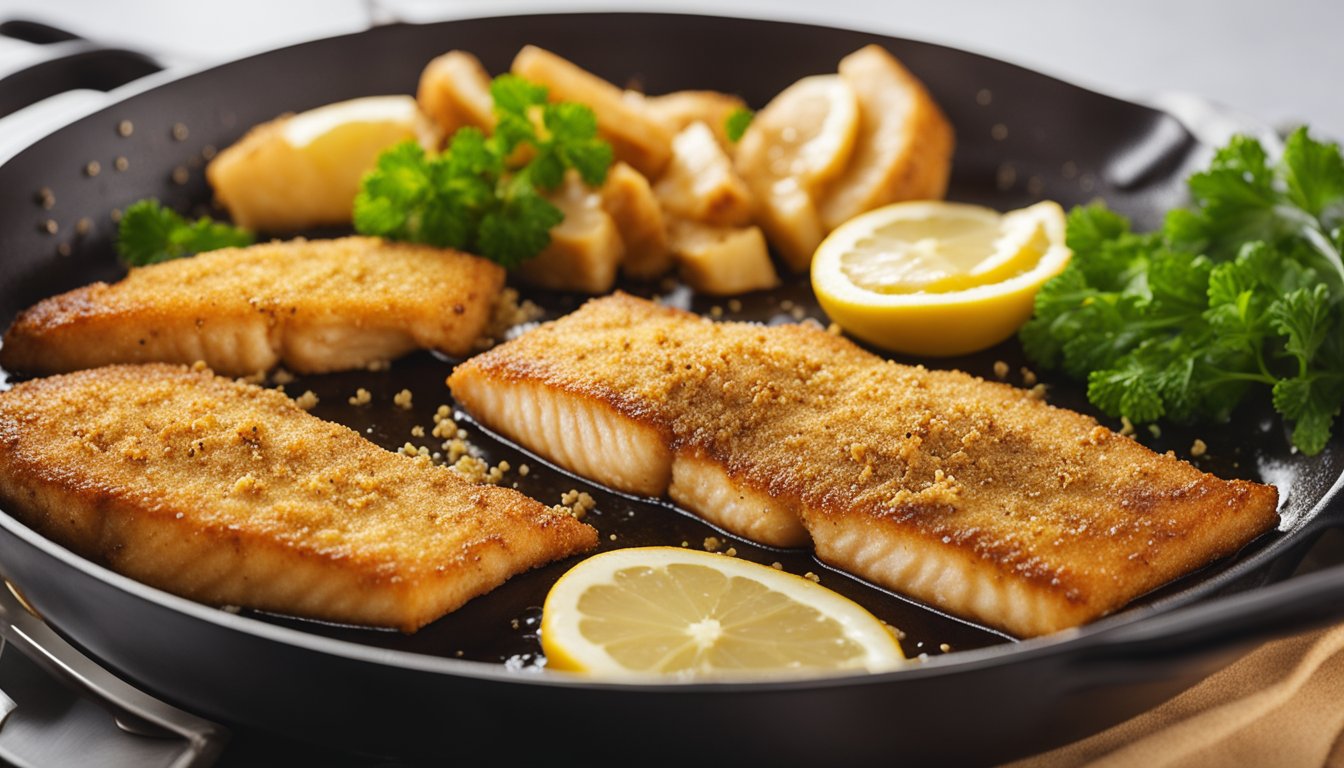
1017 651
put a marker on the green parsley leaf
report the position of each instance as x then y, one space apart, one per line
150 233
1241 292
735 124
483 194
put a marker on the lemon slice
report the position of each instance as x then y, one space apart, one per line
806 132
800 141
671 611
936 278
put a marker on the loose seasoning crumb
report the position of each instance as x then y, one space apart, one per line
514 623
307 400
731 552
378 365
577 504
362 396
778 566
1000 369
797 313
454 449
833 329
1126 426
944 647
507 313
734 305
417 431
685 543
1038 392
471 468
712 543
403 399
612 537
786 305
523 470
716 311
1154 430
1028 377
411 450
281 376
1198 448
812 577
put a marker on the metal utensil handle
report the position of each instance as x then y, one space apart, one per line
134 708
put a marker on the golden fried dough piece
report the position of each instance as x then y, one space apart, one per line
229 494
681 108
972 496
454 92
314 305
629 201
636 136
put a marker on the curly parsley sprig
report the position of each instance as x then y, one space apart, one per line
1242 292
150 233
484 193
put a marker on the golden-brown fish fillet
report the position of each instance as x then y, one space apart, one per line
314 305
228 493
972 496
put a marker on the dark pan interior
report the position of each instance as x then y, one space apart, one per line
1022 137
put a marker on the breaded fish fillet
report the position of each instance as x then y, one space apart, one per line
314 305
972 496
228 493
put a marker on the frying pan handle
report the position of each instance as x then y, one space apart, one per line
1226 624
134 710
69 62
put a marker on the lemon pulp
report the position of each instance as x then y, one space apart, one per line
670 611
937 278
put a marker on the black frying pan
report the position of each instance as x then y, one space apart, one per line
468 684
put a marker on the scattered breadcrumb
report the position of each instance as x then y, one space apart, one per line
378 365
472 469
417 431
255 378
362 396
307 401
1000 369
1126 426
1038 392
810 576
199 366
716 311
507 313
1028 377
612 537
731 552
1154 430
403 399
833 329
1198 448
412 450
454 450
282 377
712 543
577 504
797 313
523 470
778 566
734 305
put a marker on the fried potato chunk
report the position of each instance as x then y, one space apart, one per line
454 92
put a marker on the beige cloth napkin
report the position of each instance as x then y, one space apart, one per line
1281 706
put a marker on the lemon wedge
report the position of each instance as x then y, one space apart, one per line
304 170
800 141
937 278
672 611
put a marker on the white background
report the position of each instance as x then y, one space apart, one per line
1280 62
